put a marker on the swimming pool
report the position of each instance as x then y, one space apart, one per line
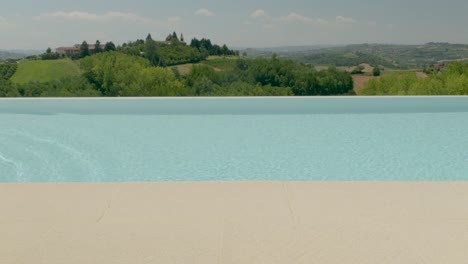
234 139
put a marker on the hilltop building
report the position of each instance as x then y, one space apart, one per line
75 49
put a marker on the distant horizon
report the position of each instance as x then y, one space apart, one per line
260 23
247 47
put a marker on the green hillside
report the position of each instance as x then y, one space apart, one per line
385 55
44 70
218 63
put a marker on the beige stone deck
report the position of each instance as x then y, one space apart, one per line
234 223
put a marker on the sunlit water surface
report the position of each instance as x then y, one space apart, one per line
294 139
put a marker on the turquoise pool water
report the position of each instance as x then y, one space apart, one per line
258 139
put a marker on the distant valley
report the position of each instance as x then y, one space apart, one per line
384 55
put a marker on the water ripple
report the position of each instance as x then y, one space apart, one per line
45 157
17 167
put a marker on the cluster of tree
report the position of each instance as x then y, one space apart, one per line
49 55
65 87
275 76
7 71
205 81
452 81
173 51
179 54
174 38
118 74
169 54
360 70
86 51
115 73
6 87
205 46
376 71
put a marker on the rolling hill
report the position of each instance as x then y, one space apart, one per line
386 55
10 55
44 70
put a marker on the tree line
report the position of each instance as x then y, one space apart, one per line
116 73
452 80
172 51
206 47
269 77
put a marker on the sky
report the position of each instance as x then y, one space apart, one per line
32 24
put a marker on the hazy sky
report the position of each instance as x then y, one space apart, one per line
36 24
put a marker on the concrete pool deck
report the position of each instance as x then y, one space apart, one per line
235 222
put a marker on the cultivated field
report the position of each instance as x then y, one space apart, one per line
44 71
360 81
216 62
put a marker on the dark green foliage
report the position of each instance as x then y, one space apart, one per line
152 52
174 51
32 57
97 47
175 54
136 48
149 37
108 70
334 82
163 54
110 46
49 55
31 89
212 49
205 81
304 80
65 87
7 71
118 74
7 89
269 77
70 86
173 38
131 72
84 50
376 71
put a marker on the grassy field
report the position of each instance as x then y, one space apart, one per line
360 80
184 69
218 63
222 64
44 71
